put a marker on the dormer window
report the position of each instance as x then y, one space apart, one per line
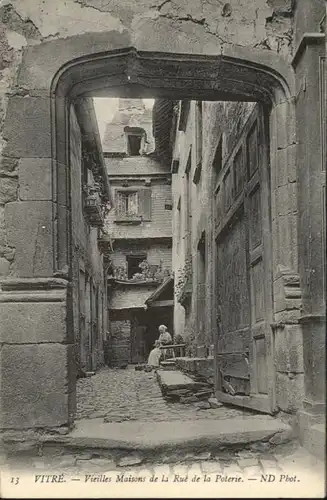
136 140
134 144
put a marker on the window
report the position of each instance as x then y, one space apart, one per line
127 203
217 162
133 204
133 264
136 140
134 144
184 112
198 142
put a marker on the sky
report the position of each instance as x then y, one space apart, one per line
105 108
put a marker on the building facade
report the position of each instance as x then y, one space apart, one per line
222 255
140 228
239 254
90 201
268 52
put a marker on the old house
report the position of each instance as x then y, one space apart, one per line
254 248
90 201
238 298
140 228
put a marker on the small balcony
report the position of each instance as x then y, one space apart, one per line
150 273
93 208
184 284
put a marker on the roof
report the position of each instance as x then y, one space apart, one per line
85 112
163 118
164 287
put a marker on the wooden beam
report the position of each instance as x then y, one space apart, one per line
162 303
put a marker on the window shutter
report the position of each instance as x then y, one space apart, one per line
133 204
119 203
145 203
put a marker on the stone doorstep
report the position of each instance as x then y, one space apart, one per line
170 381
151 440
161 438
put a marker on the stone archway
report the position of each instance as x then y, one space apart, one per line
37 360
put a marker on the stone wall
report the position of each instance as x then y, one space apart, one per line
177 26
221 120
37 39
310 65
89 293
224 124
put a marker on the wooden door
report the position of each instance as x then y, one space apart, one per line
138 343
243 342
94 328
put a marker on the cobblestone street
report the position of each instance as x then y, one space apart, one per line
251 462
126 394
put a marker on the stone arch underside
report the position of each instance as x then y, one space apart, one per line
41 105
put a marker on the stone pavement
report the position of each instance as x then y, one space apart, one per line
119 395
186 441
288 461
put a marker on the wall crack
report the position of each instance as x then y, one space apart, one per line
84 3
201 22
159 7
15 22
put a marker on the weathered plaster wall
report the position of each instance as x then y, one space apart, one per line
130 296
135 165
130 113
160 224
26 72
177 26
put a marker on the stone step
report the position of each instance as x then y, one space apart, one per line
155 435
169 364
159 441
170 381
196 365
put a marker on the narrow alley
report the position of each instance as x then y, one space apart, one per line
121 395
163 247
127 432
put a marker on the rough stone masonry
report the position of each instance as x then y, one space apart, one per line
40 42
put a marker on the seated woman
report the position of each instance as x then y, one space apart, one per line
164 335
165 339
155 355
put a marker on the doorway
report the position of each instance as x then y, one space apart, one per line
246 75
244 339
